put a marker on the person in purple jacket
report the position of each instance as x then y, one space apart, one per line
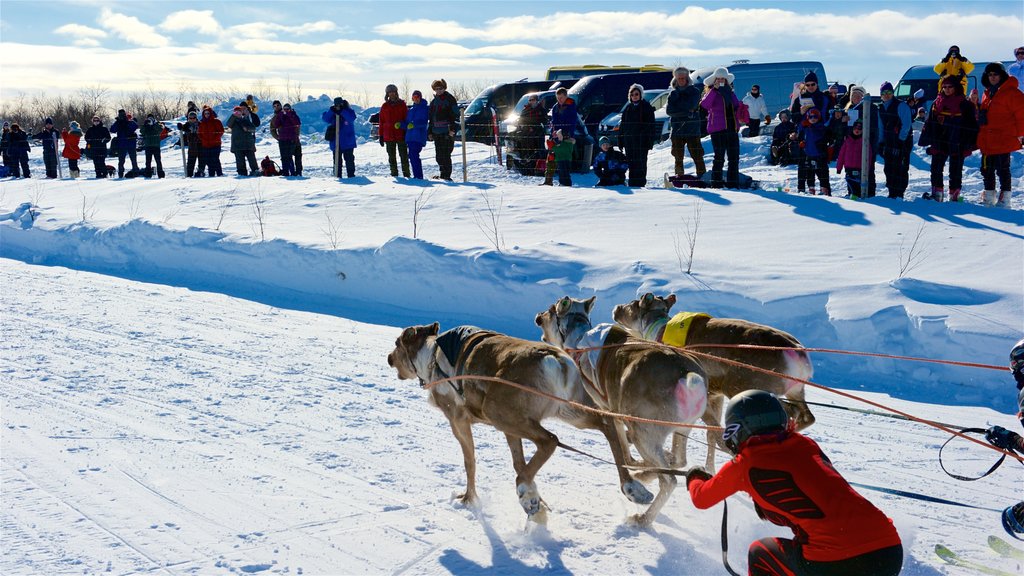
286 125
721 104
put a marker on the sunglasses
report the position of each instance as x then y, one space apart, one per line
948 87
1018 53
810 83
994 74
887 92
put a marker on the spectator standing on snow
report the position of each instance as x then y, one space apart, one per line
341 135
392 130
96 138
810 97
250 103
189 131
48 136
758 110
850 158
856 110
211 133
794 484
950 132
242 124
18 149
1001 132
721 104
814 162
285 126
151 130
610 165
416 120
126 141
637 134
896 141
530 132
683 110
562 152
836 130
72 135
443 118
1017 68
5 145
564 116
954 65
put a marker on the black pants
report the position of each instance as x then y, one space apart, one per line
210 158
443 147
897 168
811 166
753 128
243 156
403 152
297 154
99 163
19 164
727 145
996 165
153 152
784 557
637 158
956 170
193 158
347 159
122 152
287 150
50 162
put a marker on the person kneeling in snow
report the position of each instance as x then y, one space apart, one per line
610 165
793 483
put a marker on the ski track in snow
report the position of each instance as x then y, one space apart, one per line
152 429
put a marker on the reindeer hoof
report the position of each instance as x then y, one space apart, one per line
640 521
541 517
468 499
637 493
529 499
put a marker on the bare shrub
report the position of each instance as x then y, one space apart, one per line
417 207
332 230
222 208
915 255
691 225
258 210
488 221
134 207
88 208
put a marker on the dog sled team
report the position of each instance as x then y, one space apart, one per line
646 378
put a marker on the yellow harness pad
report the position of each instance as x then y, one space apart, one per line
678 328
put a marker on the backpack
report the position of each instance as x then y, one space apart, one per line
268 167
329 133
742 114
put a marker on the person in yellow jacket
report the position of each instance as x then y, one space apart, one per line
955 65
253 107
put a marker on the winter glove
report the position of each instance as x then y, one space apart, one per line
409 126
398 125
767 120
1002 438
381 140
697 472
430 137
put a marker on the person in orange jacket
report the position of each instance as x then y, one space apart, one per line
72 135
1001 131
837 531
392 129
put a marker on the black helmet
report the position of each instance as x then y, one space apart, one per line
1017 357
750 413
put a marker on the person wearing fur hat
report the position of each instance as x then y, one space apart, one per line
341 136
211 134
96 138
950 132
49 136
723 125
1001 117
5 146
896 140
810 97
758 110
151 130
1017 68
812 138
416 120
72 135
392 130
637 134
126 141
954 65
683 110
18 149
444 118
610 165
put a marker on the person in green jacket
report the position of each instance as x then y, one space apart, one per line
562 151
151 131
242 125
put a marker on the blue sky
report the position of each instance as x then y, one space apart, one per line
357 47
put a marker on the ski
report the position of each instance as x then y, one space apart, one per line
1004 548
954 559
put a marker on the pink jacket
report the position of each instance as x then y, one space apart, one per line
849 154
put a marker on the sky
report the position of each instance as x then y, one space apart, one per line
356 48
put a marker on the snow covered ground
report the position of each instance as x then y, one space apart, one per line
187 391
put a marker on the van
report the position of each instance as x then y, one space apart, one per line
776 80
577 72
925 78
599 96
524 161
499 99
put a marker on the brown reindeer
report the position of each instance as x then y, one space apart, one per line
629 376
422 354
648 318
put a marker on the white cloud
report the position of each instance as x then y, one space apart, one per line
202 21
82 35
131 29
269 30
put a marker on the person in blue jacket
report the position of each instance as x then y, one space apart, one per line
341 135
610 165
896 141
416 120
563 113
126 141
812 135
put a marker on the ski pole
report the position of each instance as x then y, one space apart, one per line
337 145
60 171
181 140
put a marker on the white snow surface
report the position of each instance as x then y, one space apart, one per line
185 394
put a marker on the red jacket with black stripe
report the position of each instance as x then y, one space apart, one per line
794 484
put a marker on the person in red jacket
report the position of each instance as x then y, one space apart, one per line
1001 132
392 129
837 531
72 135
211 131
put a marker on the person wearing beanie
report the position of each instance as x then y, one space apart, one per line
784 149
443 119
638 133
810 97
758 109
1001 132
211 134
71 136
242 123
896 140
287 126
126 141
5 147
49 136
950 132
18 149
1017 68
955 65
609 164
341 136
721 104
811 138
151 131
416 120
683 110
392 130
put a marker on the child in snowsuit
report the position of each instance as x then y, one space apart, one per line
811 136
850 158
792 482
49 136
610 165
562 152
72 135
784 151
151 131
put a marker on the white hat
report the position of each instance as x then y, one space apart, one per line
719 73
